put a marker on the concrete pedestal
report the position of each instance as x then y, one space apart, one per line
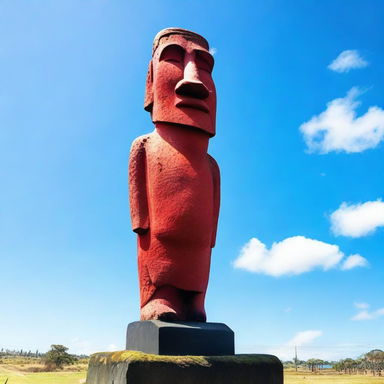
178 338
128 367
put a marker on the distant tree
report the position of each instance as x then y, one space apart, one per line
375 361
311 364
57 357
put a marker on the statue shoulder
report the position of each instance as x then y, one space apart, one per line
213 164
140 142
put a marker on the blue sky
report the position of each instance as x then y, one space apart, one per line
301 174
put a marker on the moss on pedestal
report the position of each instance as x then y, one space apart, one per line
131 367
135 356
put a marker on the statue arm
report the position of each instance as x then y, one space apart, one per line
216 197
138 187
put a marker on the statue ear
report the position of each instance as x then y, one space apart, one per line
148 98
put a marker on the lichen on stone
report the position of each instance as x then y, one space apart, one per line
135 356
183 361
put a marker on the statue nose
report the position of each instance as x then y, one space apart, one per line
192 88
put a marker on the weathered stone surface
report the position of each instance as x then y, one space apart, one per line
174 184
127 367
165 338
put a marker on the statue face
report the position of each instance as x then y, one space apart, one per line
182 87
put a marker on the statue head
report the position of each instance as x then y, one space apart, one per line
180 88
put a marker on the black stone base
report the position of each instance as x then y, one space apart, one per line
164 338
127 367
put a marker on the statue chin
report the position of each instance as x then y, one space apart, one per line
186 116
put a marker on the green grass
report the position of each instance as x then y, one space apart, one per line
329 378
44 378
18 376
290 377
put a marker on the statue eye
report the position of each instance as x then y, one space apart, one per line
204 61
172 54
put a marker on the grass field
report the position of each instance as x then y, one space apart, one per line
329 378
44 378
67 377
17 374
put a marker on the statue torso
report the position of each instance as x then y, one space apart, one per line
180 190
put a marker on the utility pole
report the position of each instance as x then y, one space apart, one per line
295 358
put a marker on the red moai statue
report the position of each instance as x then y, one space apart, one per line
174 183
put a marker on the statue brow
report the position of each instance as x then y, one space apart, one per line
205 55
171 45
166 46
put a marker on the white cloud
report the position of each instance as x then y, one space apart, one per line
339 129
292 256
85 347
300 340
347 60
365 314
312 350
213 51
111 348
358 220
354 261
80 347
304 338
